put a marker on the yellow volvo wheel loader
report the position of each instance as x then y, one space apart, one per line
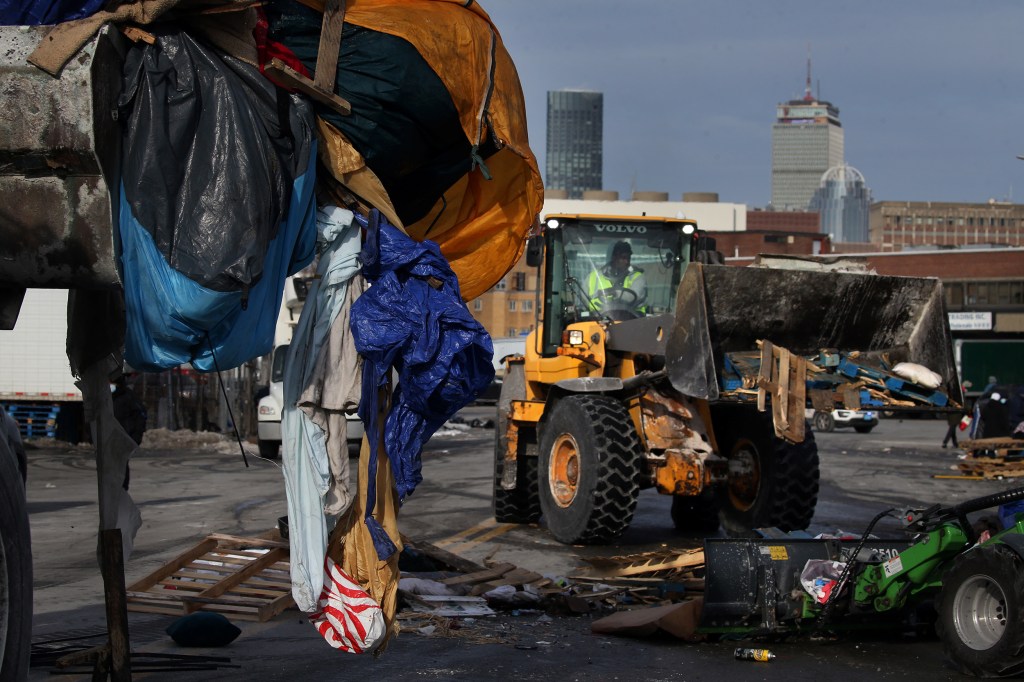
656 366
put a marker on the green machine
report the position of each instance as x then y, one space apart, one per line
762 587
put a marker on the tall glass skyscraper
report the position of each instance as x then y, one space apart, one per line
807 140
575 141
844 201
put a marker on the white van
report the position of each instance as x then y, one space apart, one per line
268 419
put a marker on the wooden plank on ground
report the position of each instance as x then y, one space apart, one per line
448 559
480 576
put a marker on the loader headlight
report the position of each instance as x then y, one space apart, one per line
552 224
573 337
689 229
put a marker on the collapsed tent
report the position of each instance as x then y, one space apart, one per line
437 138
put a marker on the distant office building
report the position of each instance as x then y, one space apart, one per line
575 141
807 140
784 221
844 202
896 225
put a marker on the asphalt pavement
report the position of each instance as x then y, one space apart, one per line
187 490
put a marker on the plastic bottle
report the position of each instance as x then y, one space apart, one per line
762 655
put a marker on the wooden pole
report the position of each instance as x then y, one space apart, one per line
112 569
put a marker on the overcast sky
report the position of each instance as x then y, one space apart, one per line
930 93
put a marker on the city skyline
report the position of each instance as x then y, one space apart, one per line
929 92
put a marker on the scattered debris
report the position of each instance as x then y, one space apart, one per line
449 606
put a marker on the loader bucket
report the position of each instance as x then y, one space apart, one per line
723 309
59 155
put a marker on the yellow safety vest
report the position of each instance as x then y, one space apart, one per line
597 281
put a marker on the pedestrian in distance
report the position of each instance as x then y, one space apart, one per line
954 419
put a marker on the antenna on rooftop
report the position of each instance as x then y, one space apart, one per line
807 89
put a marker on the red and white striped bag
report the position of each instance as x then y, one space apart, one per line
346 616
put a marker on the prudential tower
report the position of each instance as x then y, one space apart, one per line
807 140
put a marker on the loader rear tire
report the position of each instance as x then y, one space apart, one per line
521 505
589 469
772 483
979 612
15 571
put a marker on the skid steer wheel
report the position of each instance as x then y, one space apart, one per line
589 459
15 571
771 483
697 514
521 505
980 612
824 422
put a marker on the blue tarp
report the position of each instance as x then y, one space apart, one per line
45 12
441 354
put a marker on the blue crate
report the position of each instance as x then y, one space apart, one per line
34 420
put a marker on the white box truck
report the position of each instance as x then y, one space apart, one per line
36 385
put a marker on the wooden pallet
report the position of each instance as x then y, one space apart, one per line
240 577
991 467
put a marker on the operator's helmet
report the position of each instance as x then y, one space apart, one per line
620 248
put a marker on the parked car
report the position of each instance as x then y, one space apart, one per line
862 421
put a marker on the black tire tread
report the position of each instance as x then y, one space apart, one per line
617 486
14 534
521 505
788 498
1005 658
795 483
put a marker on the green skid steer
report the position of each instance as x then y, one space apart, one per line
756 587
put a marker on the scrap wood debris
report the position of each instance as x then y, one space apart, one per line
833 377
992 458
639 580
609 584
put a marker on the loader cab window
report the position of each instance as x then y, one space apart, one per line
612 270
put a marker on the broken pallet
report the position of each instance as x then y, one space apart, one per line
992 467
244 578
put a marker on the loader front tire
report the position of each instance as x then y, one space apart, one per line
979 612
771 483
589 462
521 504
